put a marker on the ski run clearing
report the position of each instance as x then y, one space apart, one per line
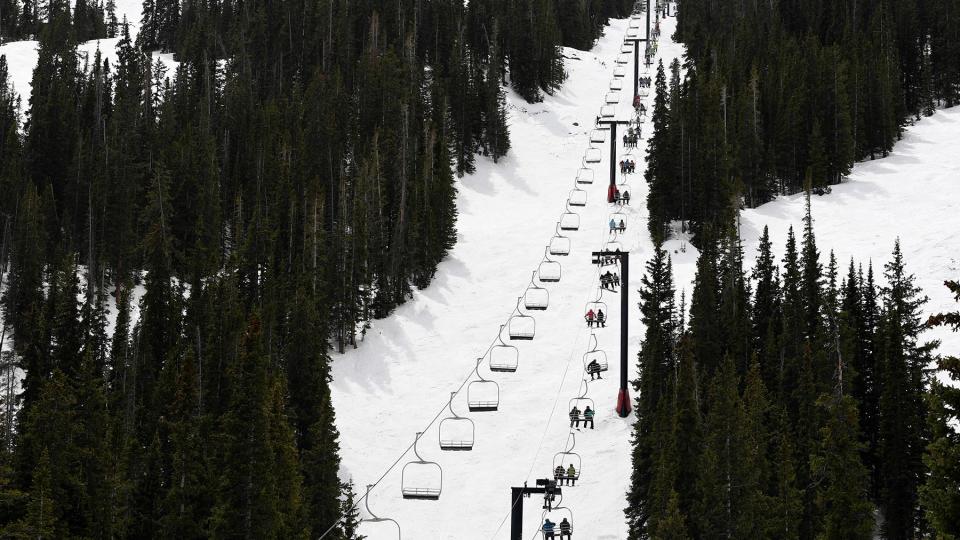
401 376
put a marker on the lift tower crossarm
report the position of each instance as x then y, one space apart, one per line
545 486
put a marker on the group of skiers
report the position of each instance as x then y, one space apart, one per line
617 227
598 318
627 165
644 82
631 138
622 198
569 475
575 419
609 280
550 529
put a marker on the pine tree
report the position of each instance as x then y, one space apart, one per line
657 174
902 424
940 493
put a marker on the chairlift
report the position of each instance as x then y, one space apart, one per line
585 175
536 297
559 244
421 479
581 402
633 32
619 220
482 395
634 22
504 358
594 355
577 198
569 221
597 305
626 48
456 432
556 516
598 136
619 72
623 59
613 246
549 270
612 98
616 85
375 518
643 91
566 458
623 187
521 326
607 111
592 155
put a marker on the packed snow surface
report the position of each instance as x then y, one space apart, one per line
400 377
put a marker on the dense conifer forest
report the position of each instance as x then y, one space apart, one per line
796 401
182 249
774 95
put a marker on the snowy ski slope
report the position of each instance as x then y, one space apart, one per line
400 377
402 374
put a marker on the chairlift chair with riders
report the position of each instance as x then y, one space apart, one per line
613 245
619 220
568 457
375 518
504 358
482 395
569 220
597 305
456 432
577 198
521 326
559 244
556 515
421 479
550 270
594 355
585 175
581 402
536 297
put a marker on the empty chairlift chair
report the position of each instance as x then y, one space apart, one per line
616 85
612 98
375 519
597 136
536 297
633 32
421 479
520 326
626 48
623 59
619 72
594 360
550 270
504 358
569 220
456 432
565 459
482 395
577 197
585 175
559 244
592 155
607 111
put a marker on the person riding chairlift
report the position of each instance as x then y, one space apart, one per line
588 417
593 368
548 529
590 317
601 318
566 530
575 417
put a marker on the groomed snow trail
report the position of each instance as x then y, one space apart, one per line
402 374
